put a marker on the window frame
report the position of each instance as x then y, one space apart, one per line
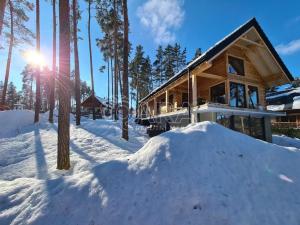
249 96
215 85
228 64
237 95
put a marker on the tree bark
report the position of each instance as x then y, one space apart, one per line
52 79
2 12
63 152
120 79
11 43
91 57
125 75
38 79
112 89
108 83
115 62
76 62
31 94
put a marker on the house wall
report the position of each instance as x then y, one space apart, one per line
251 77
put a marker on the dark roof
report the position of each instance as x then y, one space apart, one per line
221 45
92 101
286 97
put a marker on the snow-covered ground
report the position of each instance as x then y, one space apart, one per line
201 174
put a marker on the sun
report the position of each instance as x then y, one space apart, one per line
35 58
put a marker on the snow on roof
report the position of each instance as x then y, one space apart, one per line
284 93
284 100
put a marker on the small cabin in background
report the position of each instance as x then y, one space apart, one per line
102 107
227 84
288 102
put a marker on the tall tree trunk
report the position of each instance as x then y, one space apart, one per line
112 89
108 84
2 12
125 75
115 61
120 79
91 57
31 94
76 59
11 43
38 79
52 79
137 104
63 152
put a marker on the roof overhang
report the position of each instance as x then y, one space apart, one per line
240 33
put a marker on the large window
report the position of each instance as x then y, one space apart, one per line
237 95
217 93
253 97
245 124
235 66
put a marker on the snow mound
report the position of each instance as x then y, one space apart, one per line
201 174
12 121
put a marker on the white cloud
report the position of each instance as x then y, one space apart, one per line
289 48
162 17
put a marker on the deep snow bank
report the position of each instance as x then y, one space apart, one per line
202 174
12 121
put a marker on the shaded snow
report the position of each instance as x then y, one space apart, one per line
201 174
12 123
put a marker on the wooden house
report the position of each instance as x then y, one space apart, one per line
101 106
226 84
288 102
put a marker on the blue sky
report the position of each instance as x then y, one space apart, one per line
193 24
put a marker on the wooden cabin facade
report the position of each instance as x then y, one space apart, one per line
288 102
226 84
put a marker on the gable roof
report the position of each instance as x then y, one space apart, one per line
92 101
219 47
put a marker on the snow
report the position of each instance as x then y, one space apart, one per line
283 140
12 122
292 91
201 174
276 107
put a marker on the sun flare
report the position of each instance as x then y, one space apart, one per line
35 58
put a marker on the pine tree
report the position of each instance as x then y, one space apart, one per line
11 42
198 53
146 77
27 79
2 11
38 78
63 152
53 75
76 62
12 95
18 33
169 62
158 73
140 71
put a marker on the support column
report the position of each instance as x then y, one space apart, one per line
194 89
167 101
148 110
155 107
194 98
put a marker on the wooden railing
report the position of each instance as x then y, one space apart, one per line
285 125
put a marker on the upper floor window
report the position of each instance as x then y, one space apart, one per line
236 66
253 97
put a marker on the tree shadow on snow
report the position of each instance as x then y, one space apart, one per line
41 164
